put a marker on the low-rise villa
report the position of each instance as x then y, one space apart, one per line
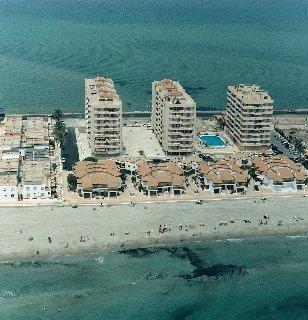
280 173
156 178
101 179
222 176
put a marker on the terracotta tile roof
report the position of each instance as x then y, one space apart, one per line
279 168
223 171
94 174
169 88
155 174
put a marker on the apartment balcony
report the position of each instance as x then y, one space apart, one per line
179 150
107 135
102 138
254 139
181 138
107 127
107 114
182 112
232 98
110 125
246 112
107 150
107 147
182 123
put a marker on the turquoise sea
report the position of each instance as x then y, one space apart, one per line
243 279
48 47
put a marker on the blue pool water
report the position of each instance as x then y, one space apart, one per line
212 140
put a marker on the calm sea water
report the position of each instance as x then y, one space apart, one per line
48 47
258 278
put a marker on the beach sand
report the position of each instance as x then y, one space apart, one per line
130 224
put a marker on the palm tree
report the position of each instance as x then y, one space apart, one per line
59 131
57 114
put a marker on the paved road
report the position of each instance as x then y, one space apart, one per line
288 151
70 152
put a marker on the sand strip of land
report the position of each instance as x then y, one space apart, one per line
24 231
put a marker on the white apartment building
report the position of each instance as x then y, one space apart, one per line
173 117
25 158
8 179
36 180
249 116
103 110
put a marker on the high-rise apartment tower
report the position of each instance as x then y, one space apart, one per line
103 110
249 116
173 117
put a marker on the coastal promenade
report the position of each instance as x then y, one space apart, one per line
43 231
199 113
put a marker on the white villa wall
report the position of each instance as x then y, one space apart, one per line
33 191
8 193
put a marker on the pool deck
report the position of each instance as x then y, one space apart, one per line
216 136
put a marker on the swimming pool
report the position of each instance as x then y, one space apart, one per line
212 141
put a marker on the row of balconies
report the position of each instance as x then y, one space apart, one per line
248 109
182 113
107 129
232 97
242 133
107 135
244 119
249 124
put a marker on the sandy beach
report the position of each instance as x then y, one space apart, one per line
24 231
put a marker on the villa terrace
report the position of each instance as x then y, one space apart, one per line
280 174
222 176
101 179
156 178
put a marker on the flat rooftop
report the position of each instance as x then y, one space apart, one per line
172 91
101 89
36 172
141 138
251 94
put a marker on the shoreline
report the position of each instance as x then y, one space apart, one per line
147 114
130 226
116 247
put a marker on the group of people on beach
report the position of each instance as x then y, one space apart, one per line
163 228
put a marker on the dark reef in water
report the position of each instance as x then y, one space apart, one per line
201 267
191 90
183 313
186 253
138 252
217 270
